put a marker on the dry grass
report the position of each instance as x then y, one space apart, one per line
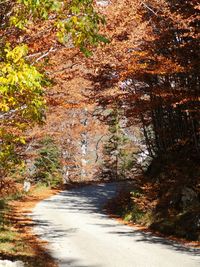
17 242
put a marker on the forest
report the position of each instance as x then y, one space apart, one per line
98 92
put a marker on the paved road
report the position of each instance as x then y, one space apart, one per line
81 235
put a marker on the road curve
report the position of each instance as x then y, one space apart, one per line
81 235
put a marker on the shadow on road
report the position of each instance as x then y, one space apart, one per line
90 200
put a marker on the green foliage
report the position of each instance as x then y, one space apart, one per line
135 215
130 210
27 10
47 164
77 22
81 26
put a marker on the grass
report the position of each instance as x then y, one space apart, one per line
40 188
11 243
6 238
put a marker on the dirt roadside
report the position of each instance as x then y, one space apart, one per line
32 251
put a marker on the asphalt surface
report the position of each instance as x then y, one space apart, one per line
80 234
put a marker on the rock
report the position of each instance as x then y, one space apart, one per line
189 224
189 197
7 263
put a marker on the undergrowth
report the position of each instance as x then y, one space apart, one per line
167 198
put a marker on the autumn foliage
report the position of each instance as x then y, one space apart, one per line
137 72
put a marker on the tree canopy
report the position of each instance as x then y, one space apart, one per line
133 103
22 83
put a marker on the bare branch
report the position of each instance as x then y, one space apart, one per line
149 8
52 49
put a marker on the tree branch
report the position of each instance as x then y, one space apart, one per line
149 8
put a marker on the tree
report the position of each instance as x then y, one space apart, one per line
118 150
151 67
22 102
154 68
47 165
21 84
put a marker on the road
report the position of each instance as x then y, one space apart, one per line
80 234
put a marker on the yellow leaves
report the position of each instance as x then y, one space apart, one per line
17 53
7 103
18 22
21 140
74 19
21 100
4 107
16 72
3 80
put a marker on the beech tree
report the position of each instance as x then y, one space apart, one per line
22 80
157 63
